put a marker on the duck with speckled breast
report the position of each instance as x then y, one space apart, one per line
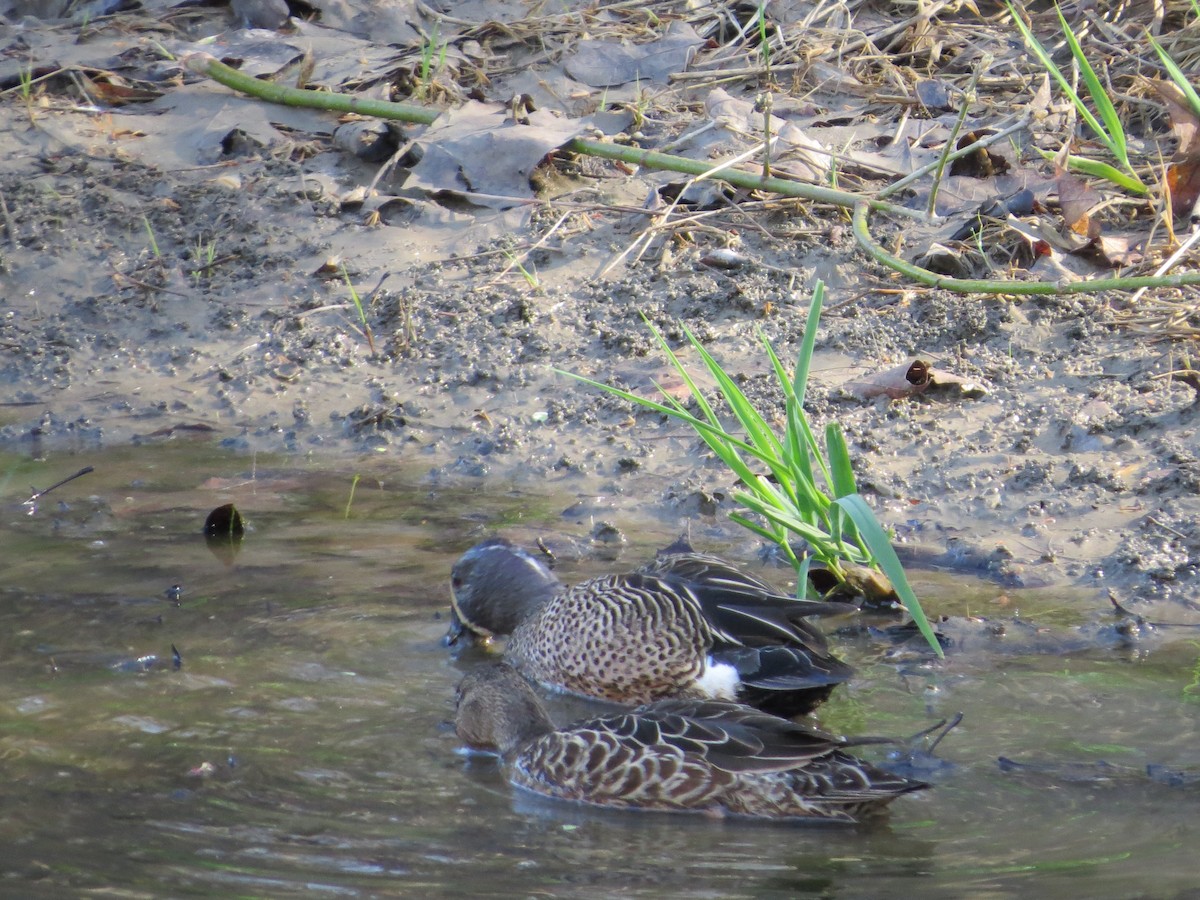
687 625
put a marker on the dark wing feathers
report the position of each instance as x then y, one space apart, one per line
767 622
743 609
700 568
783 661
730 736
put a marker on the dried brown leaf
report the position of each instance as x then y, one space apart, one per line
113 90
1184 123
1114 250
899 381
1077 200
911 378
1183 173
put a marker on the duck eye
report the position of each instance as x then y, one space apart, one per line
456 581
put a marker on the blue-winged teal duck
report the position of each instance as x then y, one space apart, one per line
687 625
707 756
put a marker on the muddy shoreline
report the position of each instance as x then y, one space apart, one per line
155 289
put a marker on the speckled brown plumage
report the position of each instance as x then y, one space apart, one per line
632 639
714 757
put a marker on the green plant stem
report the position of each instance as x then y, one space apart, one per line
651 159
206 64
944 160
763 40
766 111
1000 286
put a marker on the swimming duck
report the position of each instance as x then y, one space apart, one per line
686 625
708 756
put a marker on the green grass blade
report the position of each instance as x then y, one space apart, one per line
1098 169
726 446
1050 66
842 482
823 545
881 548
797 447
677 411
810 439
762 443
1176 73
802 577
756 427
811 505
679 367
781 375
809 342
758 432
839 461
1113 133
770 535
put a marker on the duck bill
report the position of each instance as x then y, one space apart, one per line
457 631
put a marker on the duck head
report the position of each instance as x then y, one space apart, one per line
497 710
494 587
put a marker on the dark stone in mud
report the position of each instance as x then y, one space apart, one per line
696 502
607 533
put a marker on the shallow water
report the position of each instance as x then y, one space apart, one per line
303 748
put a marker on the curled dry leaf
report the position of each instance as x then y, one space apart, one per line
910 378
113 90
1183 173
1077 201
1114 250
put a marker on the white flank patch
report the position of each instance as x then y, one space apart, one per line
719 681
